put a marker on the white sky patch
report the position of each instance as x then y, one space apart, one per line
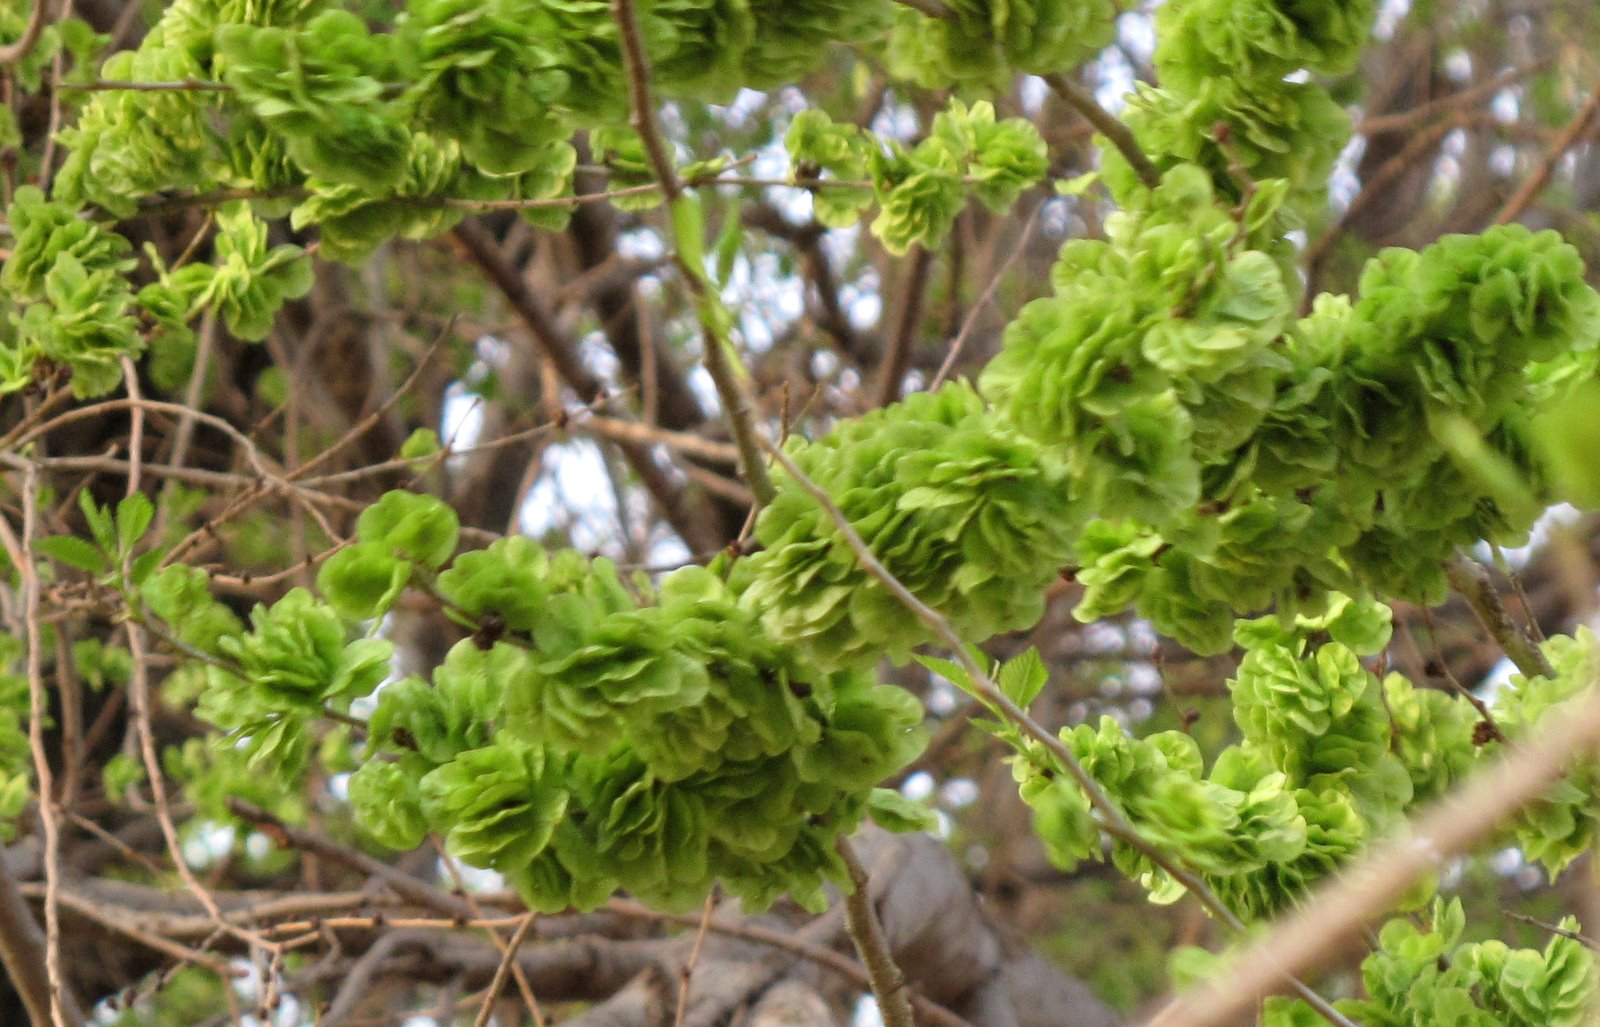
1343 183
1116 81
1498 677
475 879
959 793
1136 32
1389 16
640 244
573 496
1031 94
918 786
460 417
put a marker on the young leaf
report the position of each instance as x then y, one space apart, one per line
74 552
134 515
1023 677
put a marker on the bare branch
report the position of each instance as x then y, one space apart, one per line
1530 189
29 39
888 982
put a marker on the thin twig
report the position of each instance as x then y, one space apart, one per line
1405 121
184 85
928 1011
524 986
403 884
1555 929
686 972
502 971
960 341
731 389
20 552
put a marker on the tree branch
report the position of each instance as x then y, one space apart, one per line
285 836
730 384
1336 915
29 39
1120 136
687 521
861 920
1535 183
1471 579
905 331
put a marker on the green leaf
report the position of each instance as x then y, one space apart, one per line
1022 677
74 552
689 232
100 523
134 515
422 444
410 526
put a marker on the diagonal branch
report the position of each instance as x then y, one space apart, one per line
1471 579
688 521
17 51
1574 130
1337 913
1119 135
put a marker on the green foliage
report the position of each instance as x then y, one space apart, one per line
320 88
1164 427
958 508
251 279
987 42
400 534
1432 977
484 79
1560 826
127 145
919 190
608 743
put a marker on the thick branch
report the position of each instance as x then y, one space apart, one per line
905 331
1339 911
